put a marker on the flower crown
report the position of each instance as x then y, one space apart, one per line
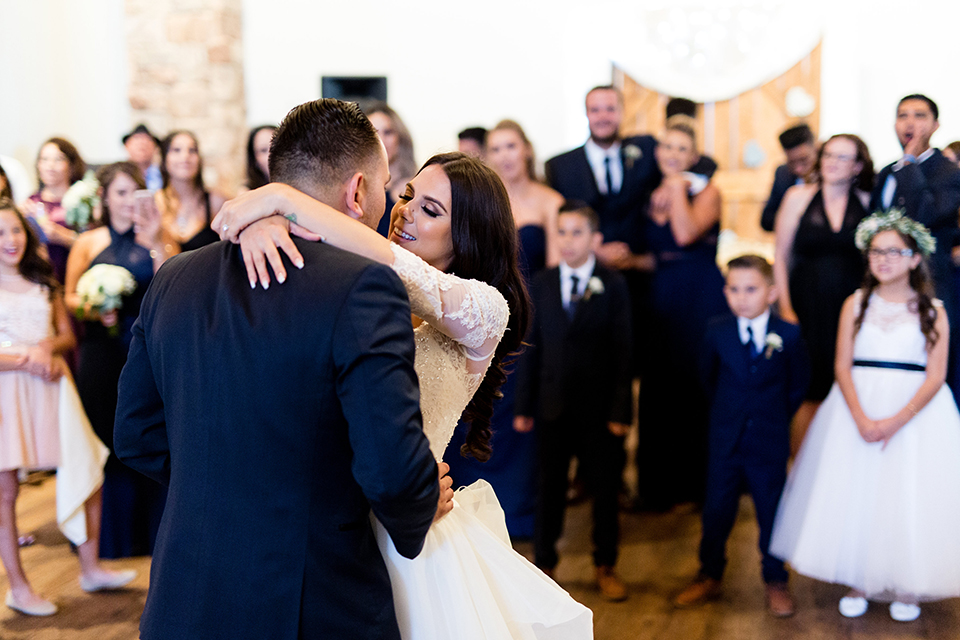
894 220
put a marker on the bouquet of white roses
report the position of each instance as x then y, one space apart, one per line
103 287
80 199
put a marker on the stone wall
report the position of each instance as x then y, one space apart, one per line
186 72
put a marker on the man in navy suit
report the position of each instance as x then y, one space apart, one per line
801 150
254 407
575 378
755 369
614 176
926 185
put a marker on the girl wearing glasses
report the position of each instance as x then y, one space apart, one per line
873 499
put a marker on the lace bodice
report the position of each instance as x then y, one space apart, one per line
25 318
464 321
890 332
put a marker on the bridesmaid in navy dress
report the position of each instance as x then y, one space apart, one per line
512 466
681 229
132 237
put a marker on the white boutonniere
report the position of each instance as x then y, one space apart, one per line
773 342
631 153
594 287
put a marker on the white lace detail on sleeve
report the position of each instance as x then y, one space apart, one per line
469 311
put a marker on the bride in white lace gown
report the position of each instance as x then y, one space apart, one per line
454 218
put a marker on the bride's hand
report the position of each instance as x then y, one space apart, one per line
237 214
260 244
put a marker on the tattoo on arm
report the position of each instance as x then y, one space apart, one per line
292 217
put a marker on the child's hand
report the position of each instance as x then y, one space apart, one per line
39 360
868 429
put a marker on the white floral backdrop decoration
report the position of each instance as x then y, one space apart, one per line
705 50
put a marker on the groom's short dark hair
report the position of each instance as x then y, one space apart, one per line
320 144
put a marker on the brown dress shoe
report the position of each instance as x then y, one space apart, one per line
611 586
779 601
700 591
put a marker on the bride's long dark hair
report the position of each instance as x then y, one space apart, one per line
485 248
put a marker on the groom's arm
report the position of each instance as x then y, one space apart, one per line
140 430
378 391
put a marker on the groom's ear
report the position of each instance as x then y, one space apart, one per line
353 196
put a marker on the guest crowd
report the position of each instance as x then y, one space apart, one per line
618 244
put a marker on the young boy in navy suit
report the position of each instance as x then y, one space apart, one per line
575 378
755 369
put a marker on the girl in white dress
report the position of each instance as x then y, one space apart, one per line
42 424
873 499
454 245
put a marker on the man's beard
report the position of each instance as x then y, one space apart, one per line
605 141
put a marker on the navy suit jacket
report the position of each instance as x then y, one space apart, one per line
254 407
577 368
929 192
620 214
752 400
783 179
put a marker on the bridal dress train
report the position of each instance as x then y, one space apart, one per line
468 583
885 521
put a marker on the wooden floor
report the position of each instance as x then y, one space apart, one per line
658 558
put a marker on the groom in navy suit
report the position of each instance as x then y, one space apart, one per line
755 369
254 407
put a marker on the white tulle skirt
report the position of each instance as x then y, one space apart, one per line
469 584
884 521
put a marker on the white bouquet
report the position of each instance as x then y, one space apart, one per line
80 199
102 287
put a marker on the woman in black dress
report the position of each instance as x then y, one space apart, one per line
133 238
817 264
185 204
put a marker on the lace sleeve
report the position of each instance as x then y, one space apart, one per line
469 311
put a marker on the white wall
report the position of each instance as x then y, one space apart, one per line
63 71
449 67
63 67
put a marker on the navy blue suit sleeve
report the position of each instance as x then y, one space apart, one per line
377 388
709 363
140 428
798 369
621 409
527 390
779 188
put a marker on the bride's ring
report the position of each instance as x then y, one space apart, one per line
224 228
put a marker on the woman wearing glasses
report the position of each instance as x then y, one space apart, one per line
817 264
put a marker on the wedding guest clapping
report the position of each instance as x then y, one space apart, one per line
185 204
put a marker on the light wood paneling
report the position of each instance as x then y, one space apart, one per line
723 130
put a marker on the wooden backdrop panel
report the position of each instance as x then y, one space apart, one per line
724 128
